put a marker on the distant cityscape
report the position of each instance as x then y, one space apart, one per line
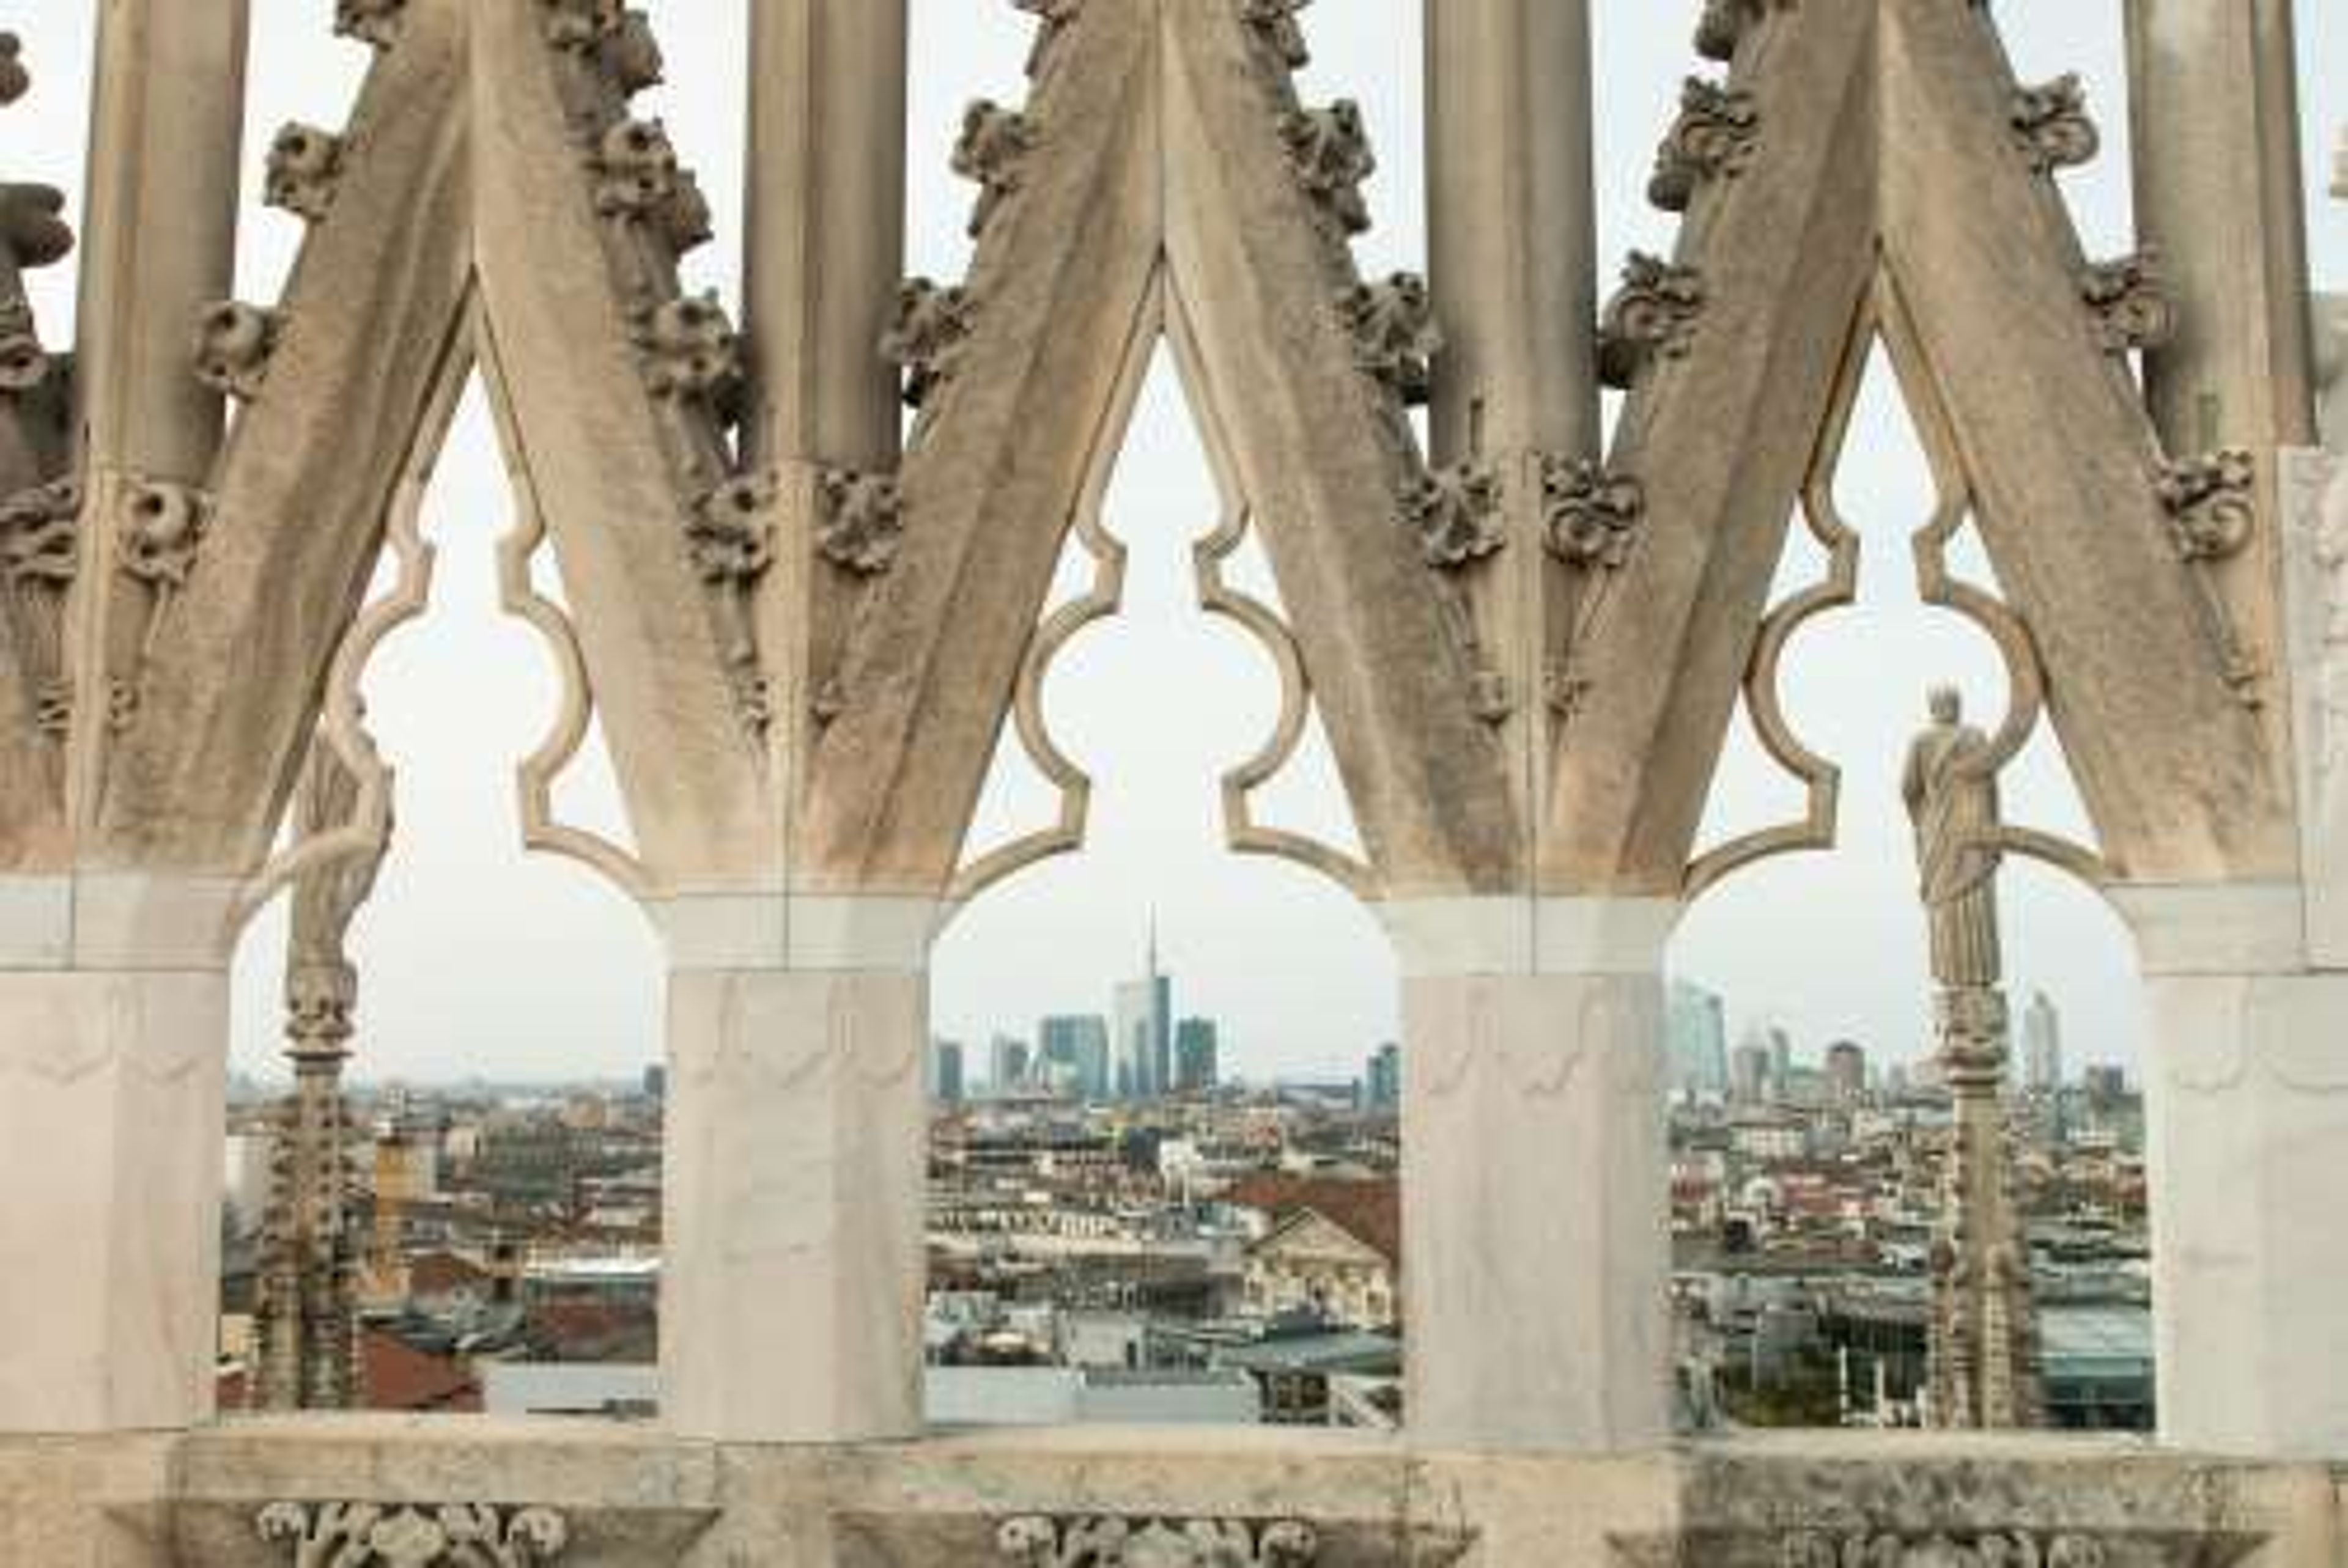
1119 1230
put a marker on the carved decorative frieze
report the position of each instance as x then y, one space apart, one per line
1987 1549
1038 1540
1716 137
1395 332
932 323
1330 151
2211 502
2052 125
1274 22
1456 512
580 24
233 342
304 163
689 346
374 22
635 169
379 1535
862 521
994 139
40 545
1653 315
2130 303
1590 517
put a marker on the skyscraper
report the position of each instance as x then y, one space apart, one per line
1195 1066
1145 1032
1007 1064
1384 1081
945 1072
1698 1033
1846 1071
2042 1045
1077 1045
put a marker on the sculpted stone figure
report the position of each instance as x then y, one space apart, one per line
1951 795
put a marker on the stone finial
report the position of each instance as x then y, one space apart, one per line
993 140
1330 151
635 168
373 22
16 81
2052 126
1591 516
1654 314
398 1535
1716 134
2130 303
862 521
162 526
1456 512
1274 22
580 24
932 325
2211 502
303 164
234 345
1394 334
689 347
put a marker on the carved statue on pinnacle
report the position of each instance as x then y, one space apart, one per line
1951 794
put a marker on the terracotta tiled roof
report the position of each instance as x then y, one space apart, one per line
1369 1212
401 1378
443 1273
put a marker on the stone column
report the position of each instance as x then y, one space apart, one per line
1511 232
827 216
2215 116
796 1148
1536 1241
2246 1109
113 1062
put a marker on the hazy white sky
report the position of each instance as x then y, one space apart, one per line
481 960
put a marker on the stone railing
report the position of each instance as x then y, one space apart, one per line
462 1492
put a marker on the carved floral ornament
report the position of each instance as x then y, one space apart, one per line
303 165
1724 23
2130 303
993 140
581 25
23 363
1274 22
1591 516
1716 135
689 347
375 1535
162 526
373 22
1457 513
932 325
862 521
1394 334
2052 126
1653 315
1330 151
2211 502
1040 1541
233 342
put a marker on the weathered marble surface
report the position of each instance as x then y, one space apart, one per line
629 1498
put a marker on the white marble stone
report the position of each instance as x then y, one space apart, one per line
1528 935
2315 618
796 1156
2247 1134
2216 928
110 1112
36 922
750 930
1536 1249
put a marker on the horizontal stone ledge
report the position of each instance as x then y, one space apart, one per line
626 1495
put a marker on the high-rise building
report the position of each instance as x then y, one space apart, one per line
1384 1078
2042 1045
1194 1056
1846 1072
1698 1034
945 1072
1074 1047
1006 1060
1749 1071
1145 1032
656 1082
1781 1060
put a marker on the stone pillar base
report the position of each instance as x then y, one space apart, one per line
1537 1249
